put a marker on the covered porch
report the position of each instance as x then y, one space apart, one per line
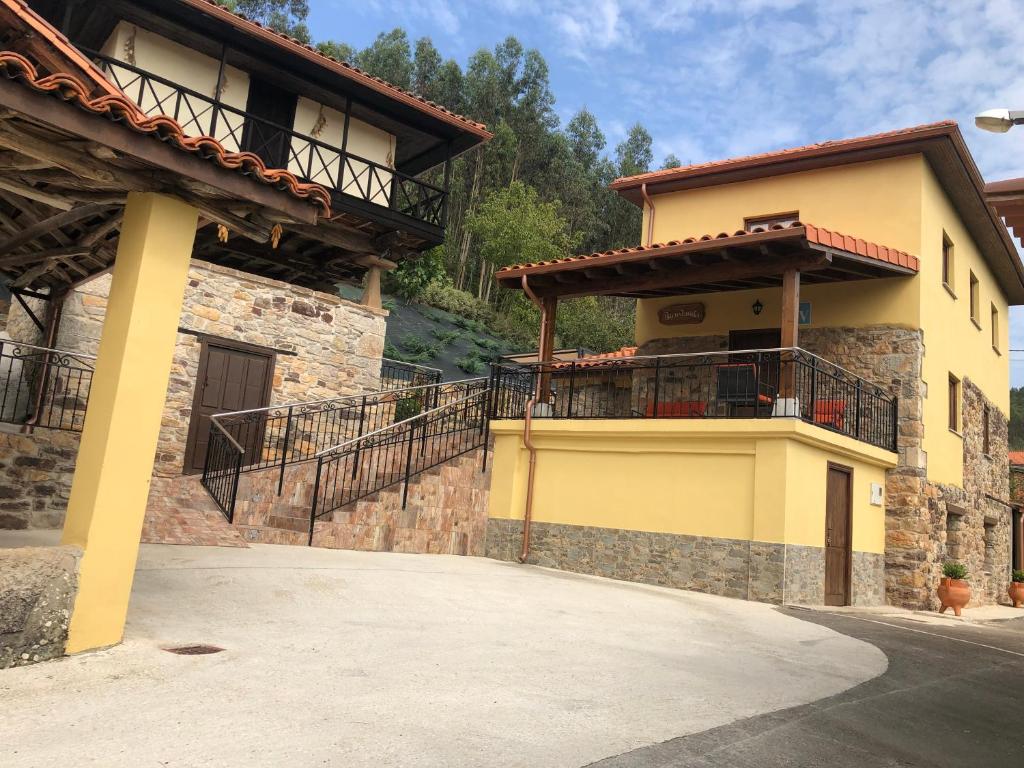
778 370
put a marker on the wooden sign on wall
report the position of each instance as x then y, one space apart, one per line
682 314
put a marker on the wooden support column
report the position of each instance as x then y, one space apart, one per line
546 347
371 289
790 327
115 458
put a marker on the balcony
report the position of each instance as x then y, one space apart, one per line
351 178
753 384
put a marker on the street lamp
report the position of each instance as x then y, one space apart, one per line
999 120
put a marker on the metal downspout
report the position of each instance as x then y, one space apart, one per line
528 515
527 438
650 218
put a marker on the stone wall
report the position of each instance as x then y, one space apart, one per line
37 593
748 570
35 477
326 346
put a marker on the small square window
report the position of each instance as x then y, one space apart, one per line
995 328
947 262
954 403
975 302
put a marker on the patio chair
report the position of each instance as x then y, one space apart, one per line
830 413
738 386
678 409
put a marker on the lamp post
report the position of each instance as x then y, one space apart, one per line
999 120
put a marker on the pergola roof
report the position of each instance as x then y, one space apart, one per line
723 262
1007 198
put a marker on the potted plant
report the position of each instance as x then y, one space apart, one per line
1016 588
954 591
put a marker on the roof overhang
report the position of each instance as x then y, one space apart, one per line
739 261
941 144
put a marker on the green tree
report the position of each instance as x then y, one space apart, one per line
389 58
513 225
287 16
671 161
337 50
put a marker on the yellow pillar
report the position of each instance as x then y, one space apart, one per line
115 459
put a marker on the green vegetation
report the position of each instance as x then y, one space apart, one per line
419 351
538 190
953 570
1017 575
470 364
407 407
445 337
1016 435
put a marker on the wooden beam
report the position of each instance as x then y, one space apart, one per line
60 202
338 235
51 254
147 149
684 277
546 345
53 222
790 326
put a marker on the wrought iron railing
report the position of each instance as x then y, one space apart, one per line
279 146
355 469
396 374
279 436
42 387
745 384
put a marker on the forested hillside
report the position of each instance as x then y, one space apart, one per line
537 191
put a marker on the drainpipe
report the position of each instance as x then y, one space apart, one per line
528 516
650 218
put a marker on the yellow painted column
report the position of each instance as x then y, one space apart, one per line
115 460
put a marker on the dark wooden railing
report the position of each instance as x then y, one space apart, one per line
41 387
772 383
279 146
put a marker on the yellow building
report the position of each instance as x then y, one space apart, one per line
817 407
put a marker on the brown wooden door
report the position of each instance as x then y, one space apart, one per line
229 380
838 518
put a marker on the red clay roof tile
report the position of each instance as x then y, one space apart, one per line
592 360
811 233
119 108
344 68
1016 457
766 158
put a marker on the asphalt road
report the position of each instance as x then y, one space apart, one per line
952 696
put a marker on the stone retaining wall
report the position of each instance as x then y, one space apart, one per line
35 477
37 593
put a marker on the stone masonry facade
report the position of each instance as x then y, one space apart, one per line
324 346
926 523
748 570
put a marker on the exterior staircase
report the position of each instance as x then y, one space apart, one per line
406 472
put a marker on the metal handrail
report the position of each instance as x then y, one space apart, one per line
412 365
80 356
624 361
344 398
420 415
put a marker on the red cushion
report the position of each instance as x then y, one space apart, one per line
686 409
830 412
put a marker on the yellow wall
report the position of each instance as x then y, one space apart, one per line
896 202
182 65
954 344
755 480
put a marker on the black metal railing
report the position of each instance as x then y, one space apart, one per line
394 454
278 146
395 374
42 387
745 384
279 436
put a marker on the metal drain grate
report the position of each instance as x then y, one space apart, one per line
194 650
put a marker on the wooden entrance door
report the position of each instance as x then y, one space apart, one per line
274 109
230 379
838 535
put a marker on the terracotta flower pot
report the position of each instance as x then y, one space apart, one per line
954 593
1016 593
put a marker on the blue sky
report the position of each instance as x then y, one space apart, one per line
719 78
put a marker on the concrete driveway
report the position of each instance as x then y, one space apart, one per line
336 658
